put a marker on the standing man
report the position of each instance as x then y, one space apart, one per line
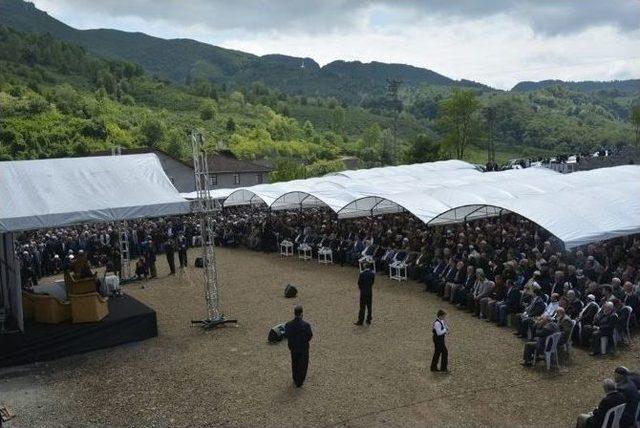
365 284
170 249
299 335
440 330
182 251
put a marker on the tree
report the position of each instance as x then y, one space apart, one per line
635 121
153 131
421 148
286 170
207 111
177 141
230 125
457 118
490 121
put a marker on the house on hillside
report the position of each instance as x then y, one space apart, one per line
226 171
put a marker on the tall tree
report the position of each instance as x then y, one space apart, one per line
489 114
635 121
421 148
457 118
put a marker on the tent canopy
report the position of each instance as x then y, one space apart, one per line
58 192
596 205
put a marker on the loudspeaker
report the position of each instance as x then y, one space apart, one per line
290 291
199 263
276 334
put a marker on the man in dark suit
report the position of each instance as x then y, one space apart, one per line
631 396
612 399
170 249
365 284
299 335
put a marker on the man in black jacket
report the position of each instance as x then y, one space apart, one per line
603 327
365 284
631 396
299 335
612 399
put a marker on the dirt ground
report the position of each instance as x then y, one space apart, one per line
358 376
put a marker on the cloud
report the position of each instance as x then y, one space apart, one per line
497 42
320 16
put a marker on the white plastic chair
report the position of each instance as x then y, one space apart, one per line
550 350
304 252
615 414
325 255
567 346
286 248
398 271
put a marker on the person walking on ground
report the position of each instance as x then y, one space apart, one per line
440 330
299 334
365 284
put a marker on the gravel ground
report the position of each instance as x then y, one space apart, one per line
358 376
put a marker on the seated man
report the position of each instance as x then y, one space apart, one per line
510 305
603 327
526 320
612 399
458 279
631 396
544 328
81 267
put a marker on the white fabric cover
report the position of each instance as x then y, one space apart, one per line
577 208
58 192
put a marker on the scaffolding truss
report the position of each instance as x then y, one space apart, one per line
206 206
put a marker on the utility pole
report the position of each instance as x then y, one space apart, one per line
393 85
490 118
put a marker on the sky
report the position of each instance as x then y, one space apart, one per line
496 42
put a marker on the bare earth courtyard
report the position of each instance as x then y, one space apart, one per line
358 376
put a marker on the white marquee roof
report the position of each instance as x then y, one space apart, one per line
58 192
578 208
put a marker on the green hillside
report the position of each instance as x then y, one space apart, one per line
66 92
182 60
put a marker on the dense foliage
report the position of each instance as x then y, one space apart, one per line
103 88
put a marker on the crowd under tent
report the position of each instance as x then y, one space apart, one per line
577 208
50 193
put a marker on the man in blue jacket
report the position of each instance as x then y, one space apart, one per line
365 284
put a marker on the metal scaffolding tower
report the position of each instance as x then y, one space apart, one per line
206 206
123 238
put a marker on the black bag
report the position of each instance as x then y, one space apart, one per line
276 334
199 263
290 291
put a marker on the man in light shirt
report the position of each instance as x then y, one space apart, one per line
440 330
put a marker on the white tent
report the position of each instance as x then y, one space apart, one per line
454 191
58 192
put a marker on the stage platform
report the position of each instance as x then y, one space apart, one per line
128 321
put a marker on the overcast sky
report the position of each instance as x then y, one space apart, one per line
497 42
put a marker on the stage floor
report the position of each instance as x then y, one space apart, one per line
128 321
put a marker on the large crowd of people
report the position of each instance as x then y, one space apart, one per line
504 270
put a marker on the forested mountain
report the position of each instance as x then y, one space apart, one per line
182 60
67 92
613 88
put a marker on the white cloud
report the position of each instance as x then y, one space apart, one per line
496 42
